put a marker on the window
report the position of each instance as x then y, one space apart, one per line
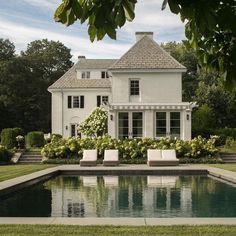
101 100
85 74
134 87
75 101
104 75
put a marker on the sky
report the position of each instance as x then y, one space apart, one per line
23 21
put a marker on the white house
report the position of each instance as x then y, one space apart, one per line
142 91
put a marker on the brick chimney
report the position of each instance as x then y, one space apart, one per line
81 57
139 35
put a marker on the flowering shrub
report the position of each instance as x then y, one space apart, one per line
96 124
129 148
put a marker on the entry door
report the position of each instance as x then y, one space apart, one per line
130 125
168 124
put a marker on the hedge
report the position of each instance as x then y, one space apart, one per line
8 137
35 139
5 155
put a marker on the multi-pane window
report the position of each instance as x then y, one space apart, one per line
134 87
160 124
104 75
75 102
85 74
175 124
102 100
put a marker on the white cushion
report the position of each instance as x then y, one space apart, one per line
111 155
169 154
154 154
90 155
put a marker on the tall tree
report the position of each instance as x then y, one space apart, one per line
24 99
209 26
7 50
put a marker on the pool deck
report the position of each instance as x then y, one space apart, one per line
15 184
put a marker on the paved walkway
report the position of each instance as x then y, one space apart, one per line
17 183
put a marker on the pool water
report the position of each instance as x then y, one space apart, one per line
123 196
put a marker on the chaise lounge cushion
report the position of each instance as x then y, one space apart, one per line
158 157
89 158
111 157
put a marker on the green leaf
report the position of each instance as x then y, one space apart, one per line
111 32
129 10
120 17
70 17
92 31
77 9
174 7
100 33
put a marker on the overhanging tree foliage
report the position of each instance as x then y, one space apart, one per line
209 26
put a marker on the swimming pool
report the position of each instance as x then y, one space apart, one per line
123 196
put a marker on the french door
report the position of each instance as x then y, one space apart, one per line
168 124
74 132
130 125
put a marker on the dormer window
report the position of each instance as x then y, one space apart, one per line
85 74
104 75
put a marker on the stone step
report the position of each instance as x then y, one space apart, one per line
229 161
31 156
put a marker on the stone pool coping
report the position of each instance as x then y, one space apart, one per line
17 183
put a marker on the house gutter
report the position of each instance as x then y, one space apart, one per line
62 116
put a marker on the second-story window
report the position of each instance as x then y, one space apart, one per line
104 75
101 100
134 87
85 74
75 101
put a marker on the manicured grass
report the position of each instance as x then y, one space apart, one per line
72 230
231 166
12 171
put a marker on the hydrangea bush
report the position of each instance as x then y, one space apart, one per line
96 123
129 148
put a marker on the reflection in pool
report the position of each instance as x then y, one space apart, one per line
124 196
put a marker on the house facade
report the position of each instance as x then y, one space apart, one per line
142 92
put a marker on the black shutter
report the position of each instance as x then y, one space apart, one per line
81 101
69 102
98 101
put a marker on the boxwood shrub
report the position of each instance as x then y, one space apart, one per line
8 137
5 155
35 139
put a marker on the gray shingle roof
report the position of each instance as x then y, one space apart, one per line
69 79
146 54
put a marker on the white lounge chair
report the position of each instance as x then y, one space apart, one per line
89 158
169 156
111 181
156 157
111 157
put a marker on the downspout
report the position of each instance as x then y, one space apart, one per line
62 115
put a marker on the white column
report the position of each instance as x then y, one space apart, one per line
148 124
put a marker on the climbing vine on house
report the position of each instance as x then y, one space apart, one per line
95 125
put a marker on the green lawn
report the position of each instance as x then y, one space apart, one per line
12 171
72 230
231 167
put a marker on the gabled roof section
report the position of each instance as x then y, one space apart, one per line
69 79
146 54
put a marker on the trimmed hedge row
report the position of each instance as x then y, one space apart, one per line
128 148
8 137
35 139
